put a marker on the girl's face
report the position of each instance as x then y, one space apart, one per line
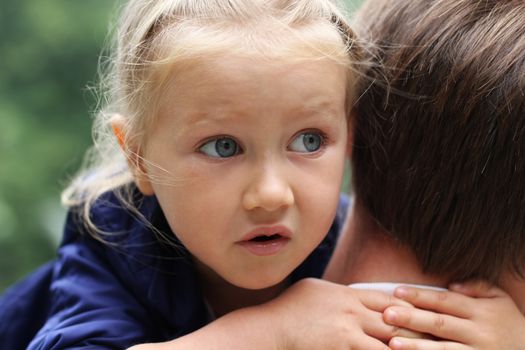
246 159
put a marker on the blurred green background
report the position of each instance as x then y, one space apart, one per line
48 56
49 51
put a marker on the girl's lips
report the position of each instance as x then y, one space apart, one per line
266 241
267 231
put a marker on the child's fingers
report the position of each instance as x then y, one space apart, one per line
379 301
374 325
445 302
424 344
477 289
438 325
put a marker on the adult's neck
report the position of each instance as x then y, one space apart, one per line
366 252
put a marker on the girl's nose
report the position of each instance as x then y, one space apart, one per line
268 190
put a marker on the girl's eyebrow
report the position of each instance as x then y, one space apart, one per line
324 111
215 117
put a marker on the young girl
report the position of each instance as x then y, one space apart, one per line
213 191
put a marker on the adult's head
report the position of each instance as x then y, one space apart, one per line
439 144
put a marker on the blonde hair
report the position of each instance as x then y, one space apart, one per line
152 36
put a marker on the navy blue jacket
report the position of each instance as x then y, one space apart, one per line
132 289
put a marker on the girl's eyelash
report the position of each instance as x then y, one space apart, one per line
215 138
219 147
309 142
325 139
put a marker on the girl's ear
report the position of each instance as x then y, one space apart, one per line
132 153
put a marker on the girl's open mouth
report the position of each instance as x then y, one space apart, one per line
266 240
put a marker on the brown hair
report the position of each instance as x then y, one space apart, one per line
439 148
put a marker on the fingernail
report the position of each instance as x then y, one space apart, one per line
456 286
390 315
401 292
396 344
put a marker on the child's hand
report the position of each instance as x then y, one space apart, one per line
311 314
471 316
317 314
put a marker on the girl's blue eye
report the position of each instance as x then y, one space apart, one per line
307 142
223 147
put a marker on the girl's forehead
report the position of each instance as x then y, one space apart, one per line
234 88
233 70
177 57
229 78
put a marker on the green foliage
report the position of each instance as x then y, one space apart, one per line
49 53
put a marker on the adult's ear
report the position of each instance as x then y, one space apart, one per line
132 152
